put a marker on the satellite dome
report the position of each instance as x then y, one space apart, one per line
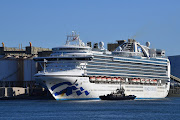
101 45
147 44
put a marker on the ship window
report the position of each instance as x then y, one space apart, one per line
54 49
72 48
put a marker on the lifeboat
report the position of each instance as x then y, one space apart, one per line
154 81
143 81
92 78
151 81
98 78
103 79
118 79
133 80
147 80
114 79
138 80
108 79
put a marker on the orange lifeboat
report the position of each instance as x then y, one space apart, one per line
98 78
151 81
147 80
138 80
103 79
108 79
133 80
154 81
92 78
118 79
114 79
143 80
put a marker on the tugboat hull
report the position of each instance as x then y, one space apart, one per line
116 97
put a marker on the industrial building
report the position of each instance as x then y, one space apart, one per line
17 69
175 65
175 73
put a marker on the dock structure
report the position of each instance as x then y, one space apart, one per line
175 86
175 78
18 69
175 75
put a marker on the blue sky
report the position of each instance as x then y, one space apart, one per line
46 23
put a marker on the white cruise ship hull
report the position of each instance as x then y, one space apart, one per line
80 88
78 71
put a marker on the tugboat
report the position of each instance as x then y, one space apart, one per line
119 95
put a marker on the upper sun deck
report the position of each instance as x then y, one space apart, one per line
75 47
134 48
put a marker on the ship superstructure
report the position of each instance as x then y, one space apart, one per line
81 71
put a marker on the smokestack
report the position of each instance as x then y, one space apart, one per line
2 44
30 44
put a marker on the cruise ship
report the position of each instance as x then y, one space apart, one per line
79 71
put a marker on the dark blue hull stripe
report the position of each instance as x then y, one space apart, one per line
59 84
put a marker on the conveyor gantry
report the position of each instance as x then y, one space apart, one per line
175 78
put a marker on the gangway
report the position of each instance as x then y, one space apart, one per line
175 78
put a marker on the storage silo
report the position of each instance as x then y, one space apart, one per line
9 70
29 69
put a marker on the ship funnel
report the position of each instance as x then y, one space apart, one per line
30 44
2 44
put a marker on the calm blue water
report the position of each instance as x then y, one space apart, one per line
166 109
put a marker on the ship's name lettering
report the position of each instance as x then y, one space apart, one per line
149 89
